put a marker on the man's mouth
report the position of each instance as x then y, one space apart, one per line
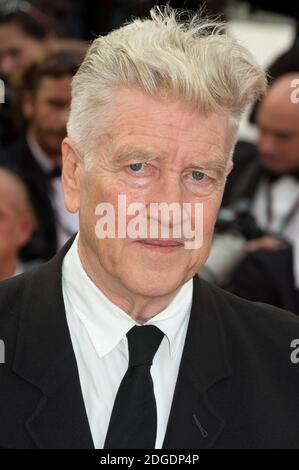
162 245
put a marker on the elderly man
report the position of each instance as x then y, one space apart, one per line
116 343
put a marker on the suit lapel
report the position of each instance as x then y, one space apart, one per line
45 358
194 422
60 421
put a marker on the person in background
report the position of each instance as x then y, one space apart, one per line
45 96
258 277
267 177
24 36
16 223
23 39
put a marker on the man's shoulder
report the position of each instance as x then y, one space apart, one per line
41 285
15 293
248 311
12 292
12 304
252 323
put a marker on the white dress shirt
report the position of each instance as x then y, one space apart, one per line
284 195
67 223
98 331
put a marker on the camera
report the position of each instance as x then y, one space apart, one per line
237 219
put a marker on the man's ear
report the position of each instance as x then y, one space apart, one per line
72 166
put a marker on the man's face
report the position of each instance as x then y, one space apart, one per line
155 152
17 51
47 112
278 121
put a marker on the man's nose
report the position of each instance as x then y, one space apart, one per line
166 202
169 190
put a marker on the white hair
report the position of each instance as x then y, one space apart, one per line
166 56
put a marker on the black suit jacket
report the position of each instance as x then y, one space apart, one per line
18 158
268 277
236 388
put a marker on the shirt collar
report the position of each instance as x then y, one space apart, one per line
106 323
19 268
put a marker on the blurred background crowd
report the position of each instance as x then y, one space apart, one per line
42 42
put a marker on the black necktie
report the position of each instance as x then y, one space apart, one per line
133 422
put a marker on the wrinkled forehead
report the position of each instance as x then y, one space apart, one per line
159 129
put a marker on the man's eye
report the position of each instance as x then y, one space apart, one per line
198 175
137 167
